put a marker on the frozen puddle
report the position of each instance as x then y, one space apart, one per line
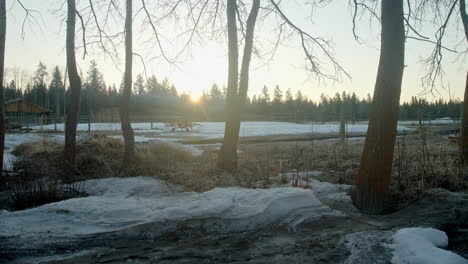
144 206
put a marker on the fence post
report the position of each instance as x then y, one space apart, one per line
151 123
89 123
55 123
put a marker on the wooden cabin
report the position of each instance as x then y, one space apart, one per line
19 107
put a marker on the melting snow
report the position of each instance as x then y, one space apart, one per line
132 205
422 246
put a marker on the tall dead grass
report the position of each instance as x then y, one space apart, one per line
421 163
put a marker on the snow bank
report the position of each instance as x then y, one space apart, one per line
139 205
422 246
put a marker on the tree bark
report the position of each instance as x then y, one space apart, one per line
236 99
75 87
127 130
342 131
372 193
228 154
2 68
464 125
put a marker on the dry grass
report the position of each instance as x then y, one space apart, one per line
99 157
420 163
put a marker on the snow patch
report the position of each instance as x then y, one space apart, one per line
146 205
422 246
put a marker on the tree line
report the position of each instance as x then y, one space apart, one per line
160 99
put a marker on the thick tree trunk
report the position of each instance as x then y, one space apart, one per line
2 68
228 155
127 130
464 125
75 87
371 194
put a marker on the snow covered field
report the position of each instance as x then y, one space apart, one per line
210 130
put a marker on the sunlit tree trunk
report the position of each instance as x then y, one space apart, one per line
371 193
228 154
127 130
75 87
464 126
2 68
236 97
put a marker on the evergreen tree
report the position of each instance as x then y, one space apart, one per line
215 92
266 94
139 85
94 89
56 91
277 95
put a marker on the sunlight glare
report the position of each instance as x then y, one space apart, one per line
194 98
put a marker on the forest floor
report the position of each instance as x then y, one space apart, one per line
425 162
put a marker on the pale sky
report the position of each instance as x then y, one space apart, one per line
207 63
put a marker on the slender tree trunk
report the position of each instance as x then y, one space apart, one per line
342 125
127 130
2 68
75 87
464 125
228 155
371 194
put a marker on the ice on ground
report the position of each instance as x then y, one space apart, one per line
368 247
422 246
212 130
144 204
168 141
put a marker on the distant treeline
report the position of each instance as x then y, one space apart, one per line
160 100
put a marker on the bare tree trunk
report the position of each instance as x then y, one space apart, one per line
75 87
342 125
2 68
464 125
228 154
236 99
127 130
65 90
371 193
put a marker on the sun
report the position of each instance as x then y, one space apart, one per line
195 98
